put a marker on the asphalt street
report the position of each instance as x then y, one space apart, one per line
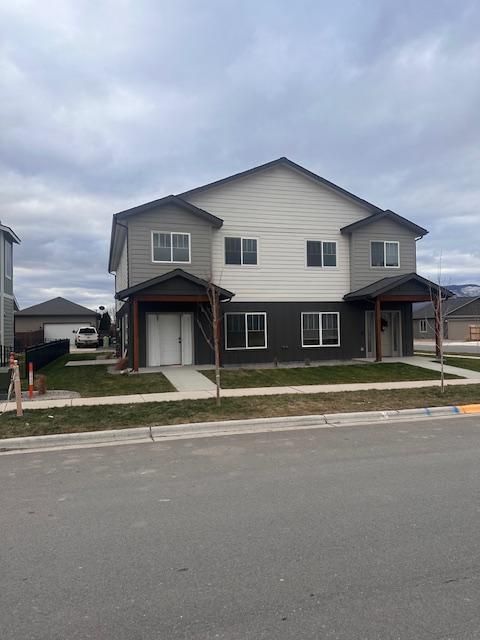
364 532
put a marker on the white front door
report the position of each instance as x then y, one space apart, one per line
391 334
169 339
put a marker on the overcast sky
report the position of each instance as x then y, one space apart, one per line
109 104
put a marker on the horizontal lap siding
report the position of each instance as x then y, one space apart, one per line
169 218
283 209
121 276
362 273
8 322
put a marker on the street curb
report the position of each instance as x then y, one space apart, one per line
253 425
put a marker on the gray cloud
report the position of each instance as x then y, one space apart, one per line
110 104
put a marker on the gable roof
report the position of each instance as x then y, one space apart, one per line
385 285
171 199
389 215
9 232
142 208
175 273
56 307
283 161
449 306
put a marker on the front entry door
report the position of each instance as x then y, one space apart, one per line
391 334
169 339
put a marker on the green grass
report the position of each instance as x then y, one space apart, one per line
334 374
94 380
76 419
464 363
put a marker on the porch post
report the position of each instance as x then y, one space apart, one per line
378 330
136 350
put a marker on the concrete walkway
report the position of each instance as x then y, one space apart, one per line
90 363
173 396
187 379
426 363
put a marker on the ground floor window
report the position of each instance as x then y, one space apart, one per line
321 329
245 331
423 326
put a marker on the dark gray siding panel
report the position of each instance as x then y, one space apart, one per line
284 332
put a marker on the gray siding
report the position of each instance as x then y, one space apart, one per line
361 273
8 322
8 282
167 218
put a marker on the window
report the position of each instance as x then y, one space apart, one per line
321 329
423 326
245 331
321 254
385 254
241 251
170 247
8 260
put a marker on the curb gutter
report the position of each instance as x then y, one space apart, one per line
176 431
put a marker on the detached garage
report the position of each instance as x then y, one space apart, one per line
54 319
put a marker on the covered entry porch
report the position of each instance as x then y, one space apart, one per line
168 320
388 318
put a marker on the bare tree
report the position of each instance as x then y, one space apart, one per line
211 314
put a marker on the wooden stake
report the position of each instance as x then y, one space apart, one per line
18 389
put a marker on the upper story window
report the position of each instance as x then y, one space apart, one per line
8 260
385 254
241 251
321 254
170 247
245 331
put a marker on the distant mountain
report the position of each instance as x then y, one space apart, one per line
467 290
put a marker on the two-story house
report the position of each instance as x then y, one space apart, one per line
7 300
303 269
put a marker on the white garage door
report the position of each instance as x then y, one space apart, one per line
62 331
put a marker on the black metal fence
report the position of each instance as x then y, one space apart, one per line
5 355
42 354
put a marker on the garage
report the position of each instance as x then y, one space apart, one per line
54 319
459 329
59 331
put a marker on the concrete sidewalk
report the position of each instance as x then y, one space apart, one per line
173 396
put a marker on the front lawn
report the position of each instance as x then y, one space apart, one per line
464 363
94 380
327 374
75 419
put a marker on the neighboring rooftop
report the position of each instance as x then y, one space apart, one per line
450 305
56 307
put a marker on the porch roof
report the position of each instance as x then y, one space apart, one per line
176 283
408 287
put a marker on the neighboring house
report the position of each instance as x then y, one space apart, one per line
52 320
303 269
459 315
7 300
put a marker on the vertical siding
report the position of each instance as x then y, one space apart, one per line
282 208
362 273
167 218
